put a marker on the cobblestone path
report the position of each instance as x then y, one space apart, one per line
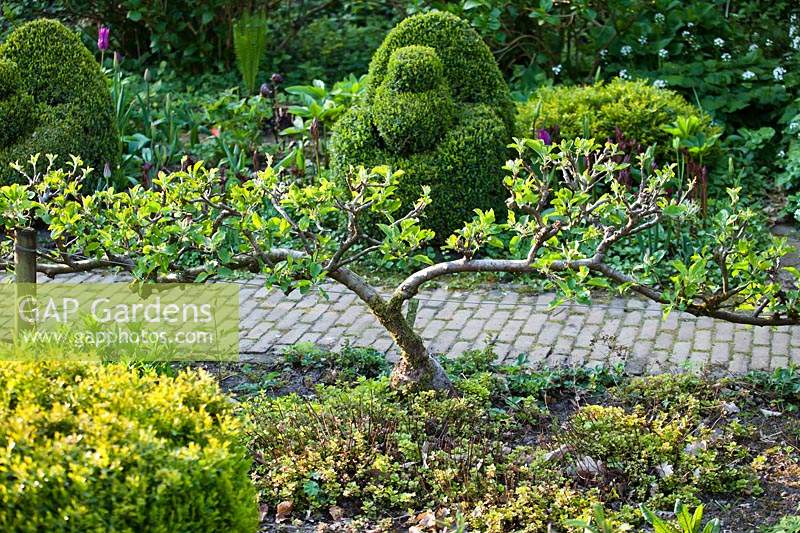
514 322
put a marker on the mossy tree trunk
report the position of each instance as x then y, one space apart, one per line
417 368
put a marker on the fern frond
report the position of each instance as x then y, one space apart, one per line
249 43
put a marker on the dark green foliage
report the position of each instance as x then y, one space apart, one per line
107 448
71 105
412 109
10 81
461 169
438 109
639 110
349 362
16 107
781 386
469 67
331 47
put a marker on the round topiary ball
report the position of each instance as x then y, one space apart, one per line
73 109
414 69
438 108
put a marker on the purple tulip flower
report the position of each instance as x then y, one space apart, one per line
102 38
544 135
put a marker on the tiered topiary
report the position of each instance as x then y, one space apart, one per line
637 109
54 96
438 108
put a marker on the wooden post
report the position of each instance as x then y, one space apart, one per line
25 272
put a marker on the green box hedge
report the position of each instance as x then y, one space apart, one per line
56 98
107 448
438 108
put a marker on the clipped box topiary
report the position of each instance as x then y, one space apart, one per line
436 107
53 86
638 109
106 448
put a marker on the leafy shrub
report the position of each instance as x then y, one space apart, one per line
331 47
787 524
661 457
71 106
350 362
437 108
681 393
688 521
370 447
638 110
100 448
781 386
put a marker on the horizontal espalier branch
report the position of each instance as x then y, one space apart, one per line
584 210
410 287
640 214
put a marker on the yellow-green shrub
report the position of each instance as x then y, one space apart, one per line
106 448
639 111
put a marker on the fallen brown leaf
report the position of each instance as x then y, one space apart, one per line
283 511
337 513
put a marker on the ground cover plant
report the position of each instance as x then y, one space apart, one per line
520 449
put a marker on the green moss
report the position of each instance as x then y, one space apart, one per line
639 110
107 448
72 106
438 109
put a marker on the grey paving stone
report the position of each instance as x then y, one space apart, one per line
516 322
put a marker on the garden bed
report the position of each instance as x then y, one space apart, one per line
568 436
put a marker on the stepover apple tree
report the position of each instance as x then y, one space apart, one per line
567 212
